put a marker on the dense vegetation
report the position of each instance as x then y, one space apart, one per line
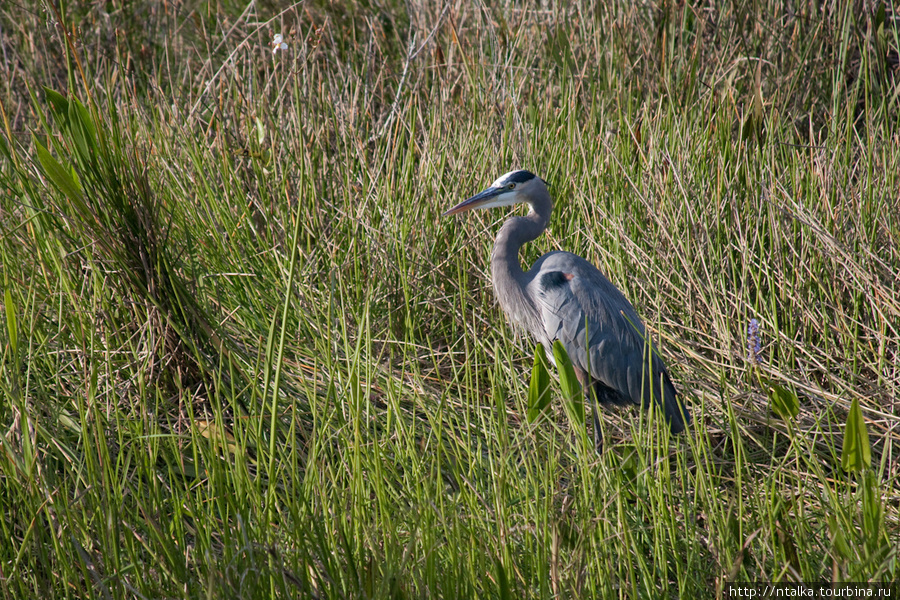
244 356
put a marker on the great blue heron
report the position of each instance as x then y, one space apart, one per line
564 297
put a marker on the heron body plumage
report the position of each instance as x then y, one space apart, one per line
564 297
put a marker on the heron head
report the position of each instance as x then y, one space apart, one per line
512 188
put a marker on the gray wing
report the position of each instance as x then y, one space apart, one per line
602 334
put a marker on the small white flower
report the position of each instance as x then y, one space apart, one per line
278 44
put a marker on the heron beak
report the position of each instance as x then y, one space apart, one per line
481 200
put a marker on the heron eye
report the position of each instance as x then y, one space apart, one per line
512 186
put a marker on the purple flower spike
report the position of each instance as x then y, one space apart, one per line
754 349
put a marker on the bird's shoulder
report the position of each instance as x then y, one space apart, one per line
569 274
571 294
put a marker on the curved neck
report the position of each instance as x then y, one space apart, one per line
516 232
508 278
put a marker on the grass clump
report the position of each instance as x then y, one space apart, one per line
243 356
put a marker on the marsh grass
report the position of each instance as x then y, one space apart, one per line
309 391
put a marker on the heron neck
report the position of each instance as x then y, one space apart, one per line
509 279
516 232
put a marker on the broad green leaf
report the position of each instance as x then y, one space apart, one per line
59 105
856 454
58 174
260 132
880 16
502 581
82 131
839 543
872 508
783 401
574 400
87 122
539 389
